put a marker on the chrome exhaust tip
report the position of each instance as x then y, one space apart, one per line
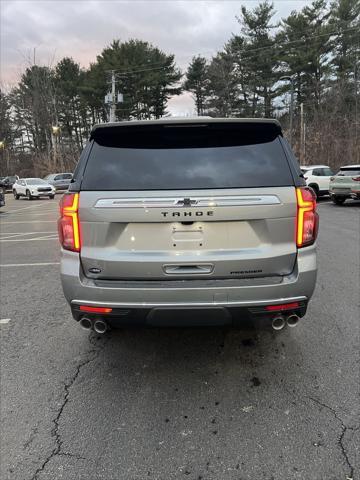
85 323
100 326
278 323
292 320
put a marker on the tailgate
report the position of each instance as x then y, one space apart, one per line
220 234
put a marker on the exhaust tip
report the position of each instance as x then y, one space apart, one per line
292 320
100 326
85 323
278 323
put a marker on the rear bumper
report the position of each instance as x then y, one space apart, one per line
345 192
140 302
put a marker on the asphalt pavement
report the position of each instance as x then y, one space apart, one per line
197 404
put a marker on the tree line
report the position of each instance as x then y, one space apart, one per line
313 54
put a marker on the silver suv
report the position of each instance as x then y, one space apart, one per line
188 222
60 181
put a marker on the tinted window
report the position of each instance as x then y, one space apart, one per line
349 172
67 176
187 159
327 172
35 181
317 172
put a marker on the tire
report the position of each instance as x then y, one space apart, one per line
51 197
338 200
316 189
16 196
28 195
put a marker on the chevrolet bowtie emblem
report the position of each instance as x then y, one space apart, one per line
186 202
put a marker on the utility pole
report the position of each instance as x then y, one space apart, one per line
356 74
291 109
113 104
291 106
302 135
112 99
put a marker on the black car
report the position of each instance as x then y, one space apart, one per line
2 199
8 182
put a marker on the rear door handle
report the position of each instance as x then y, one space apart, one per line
197 269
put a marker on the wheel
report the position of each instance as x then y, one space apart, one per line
51 197
28 195
16 196
316 189
338 200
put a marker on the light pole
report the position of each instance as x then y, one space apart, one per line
291 104
6 156
55 130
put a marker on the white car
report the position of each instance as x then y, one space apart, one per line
318 178
32 188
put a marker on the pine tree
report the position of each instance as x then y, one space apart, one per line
345 21
197 82
146 76
258 56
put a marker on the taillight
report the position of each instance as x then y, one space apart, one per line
356 179
68 224
307 217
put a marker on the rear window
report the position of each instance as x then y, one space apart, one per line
181 157
35 181
349 172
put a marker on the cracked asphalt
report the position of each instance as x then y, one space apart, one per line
197 404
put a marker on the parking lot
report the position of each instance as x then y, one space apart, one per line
175 403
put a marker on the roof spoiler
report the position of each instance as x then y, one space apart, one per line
194 133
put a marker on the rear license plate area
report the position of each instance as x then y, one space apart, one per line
186 317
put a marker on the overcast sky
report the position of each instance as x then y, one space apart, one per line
82 28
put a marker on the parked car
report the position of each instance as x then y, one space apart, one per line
7 182
318 178
60 181
188 222
345 184
32 188
2 198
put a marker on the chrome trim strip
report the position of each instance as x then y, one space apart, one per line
230 303
176 202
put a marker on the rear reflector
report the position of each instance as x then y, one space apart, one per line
284 306
307 218
356 179
86 308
